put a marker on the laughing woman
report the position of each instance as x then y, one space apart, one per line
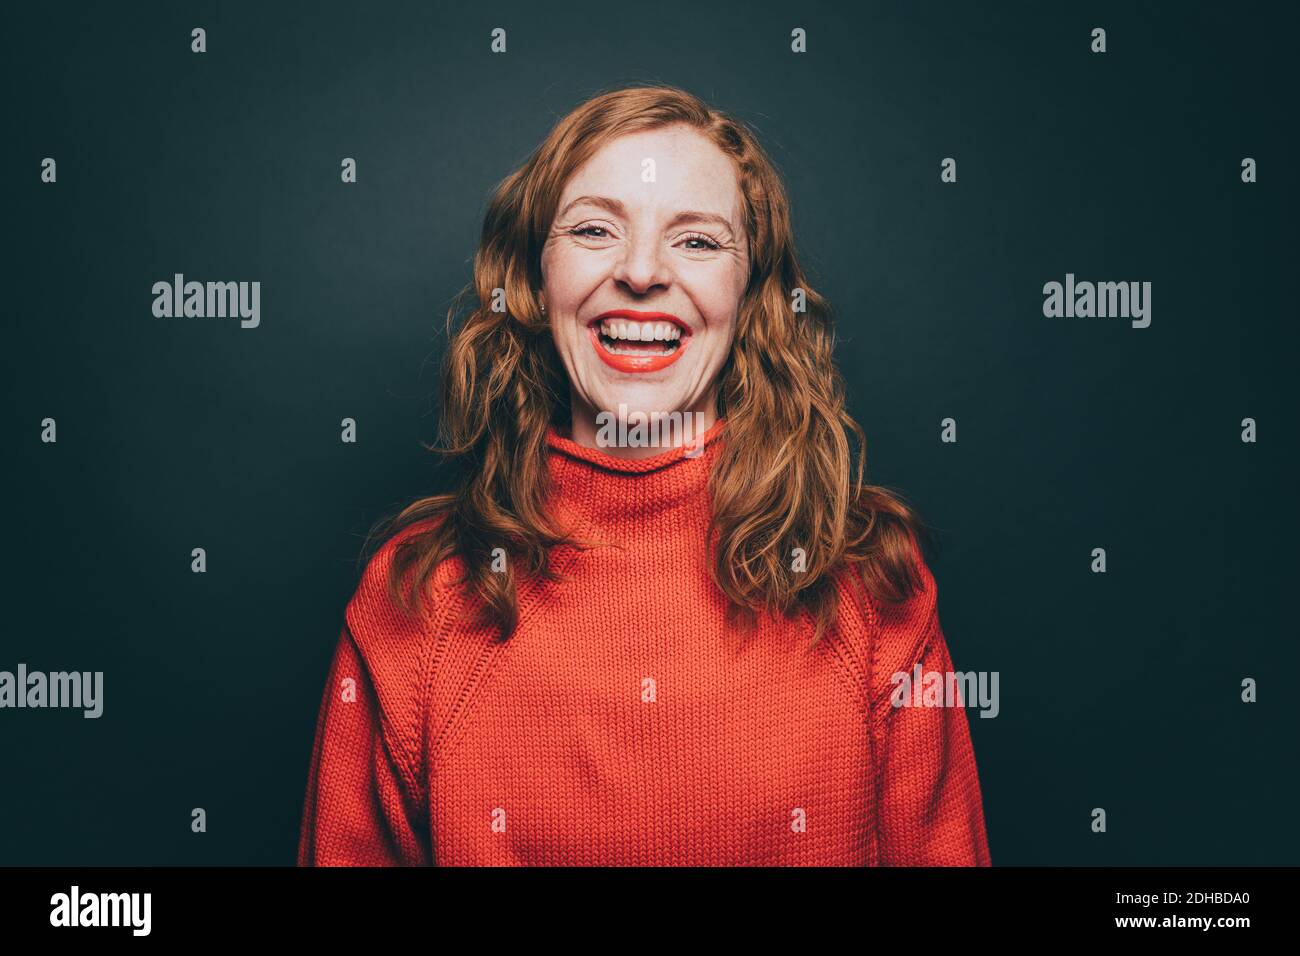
622 645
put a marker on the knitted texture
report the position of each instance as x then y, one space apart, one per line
626 722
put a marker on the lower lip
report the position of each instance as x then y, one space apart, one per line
634 363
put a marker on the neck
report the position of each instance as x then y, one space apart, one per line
621 433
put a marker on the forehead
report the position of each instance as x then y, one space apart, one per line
689 172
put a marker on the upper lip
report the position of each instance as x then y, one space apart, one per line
643 317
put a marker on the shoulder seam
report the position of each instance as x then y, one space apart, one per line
408 765
391 733
920 646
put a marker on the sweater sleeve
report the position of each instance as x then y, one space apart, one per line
930 808
361 807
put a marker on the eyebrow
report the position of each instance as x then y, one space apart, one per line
618 209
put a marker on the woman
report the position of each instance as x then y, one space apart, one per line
602 650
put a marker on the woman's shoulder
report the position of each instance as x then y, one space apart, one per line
392 634
897 631
390 573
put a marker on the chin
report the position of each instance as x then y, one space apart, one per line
643 398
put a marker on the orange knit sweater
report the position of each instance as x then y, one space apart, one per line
624 722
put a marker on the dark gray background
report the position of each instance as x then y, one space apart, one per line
1118 690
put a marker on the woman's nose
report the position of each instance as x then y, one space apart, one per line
643 266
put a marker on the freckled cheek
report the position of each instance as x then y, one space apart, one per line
571 280
716 295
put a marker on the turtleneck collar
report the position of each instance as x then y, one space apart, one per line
613 493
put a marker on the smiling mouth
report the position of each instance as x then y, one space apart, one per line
632 341
627 337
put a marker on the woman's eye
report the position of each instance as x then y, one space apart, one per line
709 244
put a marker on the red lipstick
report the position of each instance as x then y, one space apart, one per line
635 355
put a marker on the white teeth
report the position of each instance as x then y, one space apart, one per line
634 331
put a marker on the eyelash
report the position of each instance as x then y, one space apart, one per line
713 244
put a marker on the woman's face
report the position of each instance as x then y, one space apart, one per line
651 226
